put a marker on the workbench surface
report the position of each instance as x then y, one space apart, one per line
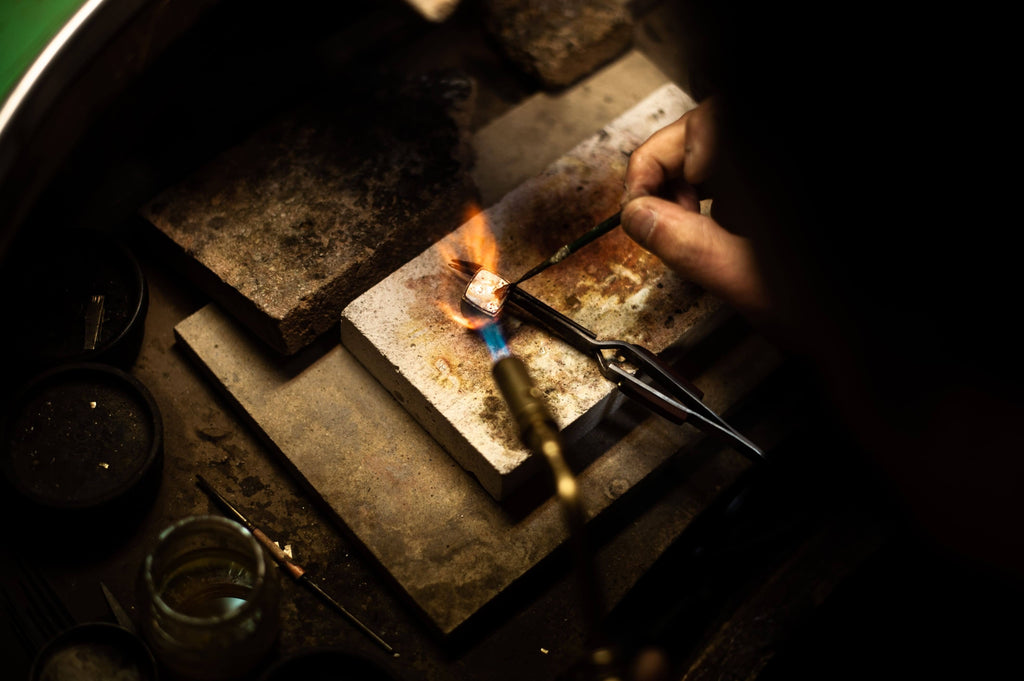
535 632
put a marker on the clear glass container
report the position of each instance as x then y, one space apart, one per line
210 599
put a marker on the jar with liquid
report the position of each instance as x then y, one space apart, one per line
210 599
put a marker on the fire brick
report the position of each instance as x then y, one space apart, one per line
404 331
560 41
288 227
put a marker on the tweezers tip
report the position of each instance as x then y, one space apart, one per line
464 266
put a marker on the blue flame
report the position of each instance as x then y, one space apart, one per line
491 333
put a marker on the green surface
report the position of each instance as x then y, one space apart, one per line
26 26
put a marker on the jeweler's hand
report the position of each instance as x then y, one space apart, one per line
662 212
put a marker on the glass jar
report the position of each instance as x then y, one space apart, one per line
210 599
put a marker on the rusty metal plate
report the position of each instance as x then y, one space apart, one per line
403 332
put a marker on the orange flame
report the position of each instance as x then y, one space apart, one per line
473 241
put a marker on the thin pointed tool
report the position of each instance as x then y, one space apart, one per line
570 248
115 606
297 572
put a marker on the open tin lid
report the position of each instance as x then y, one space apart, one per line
76 296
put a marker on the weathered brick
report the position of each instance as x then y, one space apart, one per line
560 41
288 227
403 333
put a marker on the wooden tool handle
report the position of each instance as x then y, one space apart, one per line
278 554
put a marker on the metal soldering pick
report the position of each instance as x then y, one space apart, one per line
569 248
297 572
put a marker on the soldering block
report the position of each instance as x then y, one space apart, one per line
402 329
560 41
292 224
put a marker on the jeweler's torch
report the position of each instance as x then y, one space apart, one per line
537 428
538 432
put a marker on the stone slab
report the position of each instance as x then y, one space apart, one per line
560 41
448 546
521 143
402 329
289 226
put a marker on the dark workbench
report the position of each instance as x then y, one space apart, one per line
536 631
772 548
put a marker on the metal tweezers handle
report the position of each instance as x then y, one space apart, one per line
677 402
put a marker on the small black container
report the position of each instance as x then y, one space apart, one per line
72 296
94 652
82 437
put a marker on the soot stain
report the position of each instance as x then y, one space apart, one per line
494 413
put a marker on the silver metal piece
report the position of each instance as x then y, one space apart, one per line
486 292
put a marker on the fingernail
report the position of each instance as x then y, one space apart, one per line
641 224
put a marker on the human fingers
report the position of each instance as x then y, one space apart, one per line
699 249
681 152
655 161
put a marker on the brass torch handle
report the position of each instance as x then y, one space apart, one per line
539 432
526 402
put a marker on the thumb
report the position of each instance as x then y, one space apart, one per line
699 249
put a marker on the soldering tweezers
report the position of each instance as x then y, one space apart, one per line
653 384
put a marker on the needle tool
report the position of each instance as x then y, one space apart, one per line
120 614
570 248
298 573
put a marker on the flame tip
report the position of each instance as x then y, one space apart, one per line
476 245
